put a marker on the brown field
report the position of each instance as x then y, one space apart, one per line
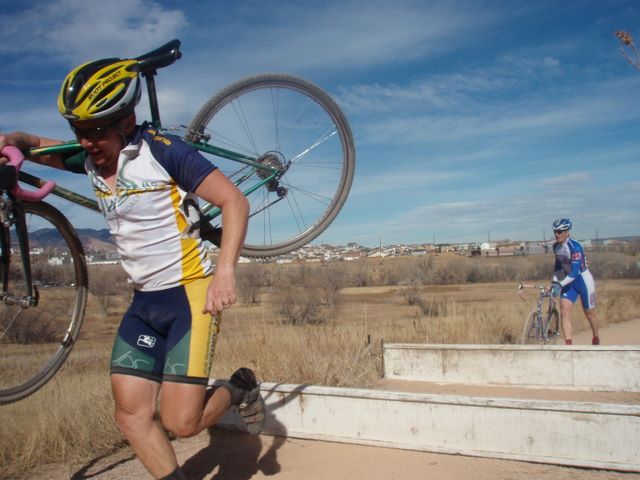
395 300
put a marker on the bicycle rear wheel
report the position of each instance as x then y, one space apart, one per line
531 331
292 125
36 340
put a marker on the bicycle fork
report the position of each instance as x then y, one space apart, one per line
11 213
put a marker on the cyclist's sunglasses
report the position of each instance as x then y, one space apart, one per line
93 134
557 232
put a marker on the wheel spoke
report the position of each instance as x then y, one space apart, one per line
318 142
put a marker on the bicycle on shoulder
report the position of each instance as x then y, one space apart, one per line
543 323
44 286
282 140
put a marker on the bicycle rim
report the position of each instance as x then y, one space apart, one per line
290 124
531 331
35 341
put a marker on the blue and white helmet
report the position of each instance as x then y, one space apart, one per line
562 224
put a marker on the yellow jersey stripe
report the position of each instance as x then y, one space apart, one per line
191 260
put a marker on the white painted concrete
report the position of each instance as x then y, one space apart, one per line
602 368
566 433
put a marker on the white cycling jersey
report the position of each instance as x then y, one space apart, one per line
152 212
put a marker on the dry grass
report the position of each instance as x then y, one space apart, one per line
70 419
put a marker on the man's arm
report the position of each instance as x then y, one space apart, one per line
218 190
576 260
24 141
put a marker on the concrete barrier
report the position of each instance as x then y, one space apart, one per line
564 433
601 368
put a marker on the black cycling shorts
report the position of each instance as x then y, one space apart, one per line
164 336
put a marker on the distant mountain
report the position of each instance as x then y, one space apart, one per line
103 234
96 240
92 240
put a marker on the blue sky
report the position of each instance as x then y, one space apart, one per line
472 119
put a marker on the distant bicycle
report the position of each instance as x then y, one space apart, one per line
543 324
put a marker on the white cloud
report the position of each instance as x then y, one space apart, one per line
569 180
459 108
80 30
400 182
350 34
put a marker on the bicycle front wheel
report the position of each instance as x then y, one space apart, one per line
293 126
36 339
531 333
553 326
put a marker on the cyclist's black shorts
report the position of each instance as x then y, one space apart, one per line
164 336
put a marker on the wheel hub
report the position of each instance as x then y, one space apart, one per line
274 160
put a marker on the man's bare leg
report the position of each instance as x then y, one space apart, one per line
183 409
565 315
135 400
592 317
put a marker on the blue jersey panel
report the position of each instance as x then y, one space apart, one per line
183 163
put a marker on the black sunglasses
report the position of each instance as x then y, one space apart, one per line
556 232
93 134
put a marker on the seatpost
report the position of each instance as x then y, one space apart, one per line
153 98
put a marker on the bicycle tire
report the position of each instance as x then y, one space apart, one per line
531 330
260 116
553 326
36 341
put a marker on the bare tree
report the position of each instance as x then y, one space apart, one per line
251 279
628 48
308 295
106 282
298 305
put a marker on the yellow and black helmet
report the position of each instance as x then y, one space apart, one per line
103 89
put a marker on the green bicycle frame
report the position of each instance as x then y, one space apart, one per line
210 211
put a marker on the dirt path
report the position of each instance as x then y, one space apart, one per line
224 455
241 457
627 333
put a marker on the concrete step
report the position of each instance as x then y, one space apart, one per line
599 368
503 391
584 434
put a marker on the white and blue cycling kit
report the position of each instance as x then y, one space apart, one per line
152 215
152 212
571 271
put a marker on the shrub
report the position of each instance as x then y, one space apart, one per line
309 295
251 278
106 283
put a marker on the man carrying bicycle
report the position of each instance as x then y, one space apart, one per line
572 279
146 184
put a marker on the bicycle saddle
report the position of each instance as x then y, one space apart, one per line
160 57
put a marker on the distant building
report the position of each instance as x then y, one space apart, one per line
56 261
